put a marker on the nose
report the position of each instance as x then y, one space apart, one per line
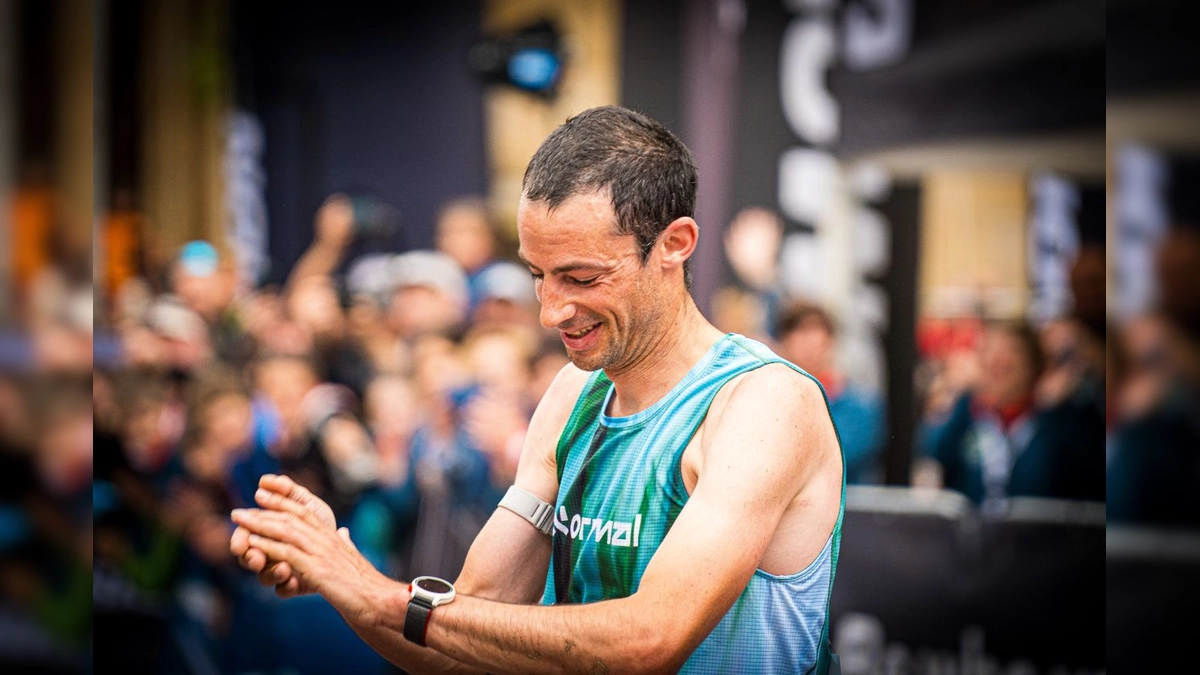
557 307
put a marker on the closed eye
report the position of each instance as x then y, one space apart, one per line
583 282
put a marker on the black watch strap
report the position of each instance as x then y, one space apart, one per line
416 620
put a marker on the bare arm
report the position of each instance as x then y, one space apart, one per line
757 458
333 230
509 558
506 563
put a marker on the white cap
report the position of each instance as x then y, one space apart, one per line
371 275
170 318
506 281
432 269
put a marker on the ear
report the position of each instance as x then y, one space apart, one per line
677 242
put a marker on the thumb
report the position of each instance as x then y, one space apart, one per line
344 533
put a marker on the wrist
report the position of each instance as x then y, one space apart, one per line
387 607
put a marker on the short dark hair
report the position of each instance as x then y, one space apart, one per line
648 172
799 313
1027 340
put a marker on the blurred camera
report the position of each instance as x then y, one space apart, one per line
374 218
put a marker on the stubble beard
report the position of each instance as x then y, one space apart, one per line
609 352
620 350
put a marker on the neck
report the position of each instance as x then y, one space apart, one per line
683 341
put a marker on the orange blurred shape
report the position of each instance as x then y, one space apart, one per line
33 221
122 246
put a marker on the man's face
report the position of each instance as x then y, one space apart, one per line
464 234
207 295
1007 373
591 282
809 346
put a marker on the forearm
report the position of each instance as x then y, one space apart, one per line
320 259
612 636
408 656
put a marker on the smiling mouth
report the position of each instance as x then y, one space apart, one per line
580 333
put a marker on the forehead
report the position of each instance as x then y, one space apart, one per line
584 222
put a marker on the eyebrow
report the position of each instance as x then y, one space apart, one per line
563 269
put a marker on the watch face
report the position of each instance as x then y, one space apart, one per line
435 586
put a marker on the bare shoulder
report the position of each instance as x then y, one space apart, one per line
558 402
776 413
772 392
537 470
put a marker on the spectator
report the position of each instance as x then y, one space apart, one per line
1154 467
752 244
808 338
369 286
314 305
504 295
429 295
996 442
497 414
205 283
466 233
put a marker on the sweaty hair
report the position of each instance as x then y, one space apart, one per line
648 173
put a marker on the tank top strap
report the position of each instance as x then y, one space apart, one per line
584 416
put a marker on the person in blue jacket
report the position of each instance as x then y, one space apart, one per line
808 338
997 442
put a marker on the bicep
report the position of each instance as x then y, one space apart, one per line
507 562
510 557
757 459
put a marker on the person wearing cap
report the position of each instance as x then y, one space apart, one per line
429 295
504 296
204 283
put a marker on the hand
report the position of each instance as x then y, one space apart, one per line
299 532
752 242
282 494
335 222
493 418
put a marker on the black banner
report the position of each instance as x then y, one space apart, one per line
925 585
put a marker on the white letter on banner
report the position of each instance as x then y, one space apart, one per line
878 36
808 52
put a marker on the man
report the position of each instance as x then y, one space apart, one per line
695 478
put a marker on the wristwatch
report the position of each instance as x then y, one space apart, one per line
425 594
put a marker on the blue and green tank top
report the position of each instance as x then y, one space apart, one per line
620 491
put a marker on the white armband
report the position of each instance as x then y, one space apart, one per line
530 507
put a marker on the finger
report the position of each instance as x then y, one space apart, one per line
290 589
239 542
281 527
292 490
276 574
277 550
278 502
253 560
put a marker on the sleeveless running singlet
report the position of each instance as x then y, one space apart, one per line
620 490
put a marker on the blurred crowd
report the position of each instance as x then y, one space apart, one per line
1011 409
398 387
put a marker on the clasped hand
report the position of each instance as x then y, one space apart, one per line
293 543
